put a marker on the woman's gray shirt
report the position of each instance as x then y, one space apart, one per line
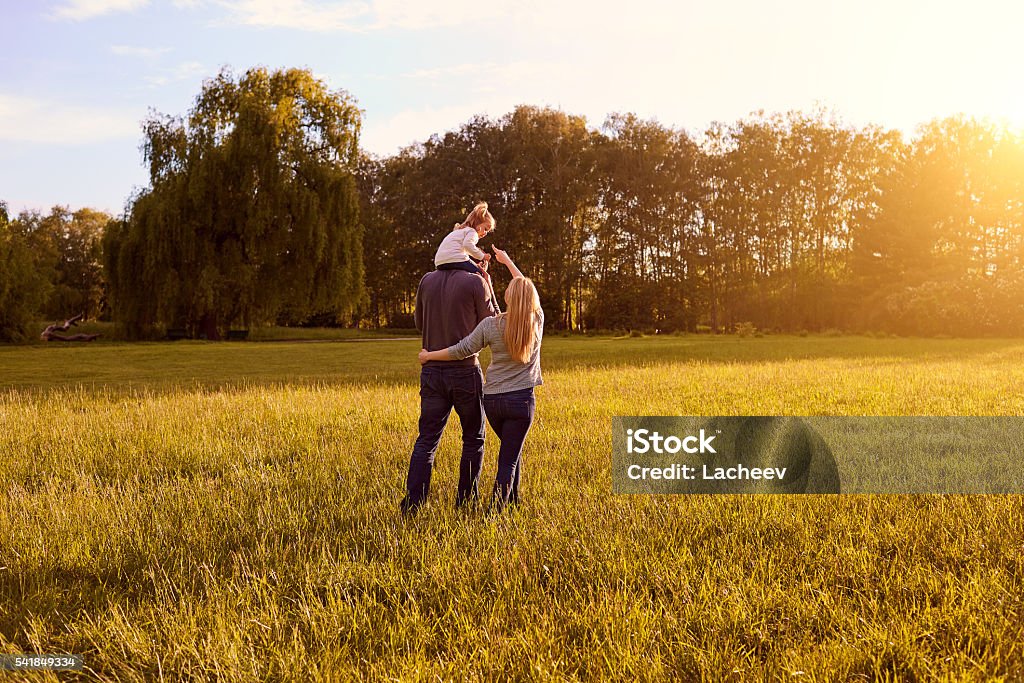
504 373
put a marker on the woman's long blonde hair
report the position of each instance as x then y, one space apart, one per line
521 317
477 217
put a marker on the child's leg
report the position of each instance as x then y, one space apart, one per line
490 290
467 266
471 267
494 297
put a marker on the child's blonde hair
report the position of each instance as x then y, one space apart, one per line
477 217
520 318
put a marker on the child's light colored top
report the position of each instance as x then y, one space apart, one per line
504 373
459 245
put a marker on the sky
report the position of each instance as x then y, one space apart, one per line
78 76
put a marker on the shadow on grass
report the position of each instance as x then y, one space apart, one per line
64 595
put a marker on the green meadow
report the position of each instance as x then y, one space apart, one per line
229 511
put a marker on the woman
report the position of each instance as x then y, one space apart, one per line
514 337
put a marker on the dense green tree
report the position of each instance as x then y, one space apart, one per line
782 201
952 216
533 167
548 201
252 213
644 261
25 275
399 242
73 240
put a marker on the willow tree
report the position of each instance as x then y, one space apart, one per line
252 212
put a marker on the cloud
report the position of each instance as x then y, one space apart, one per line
384 137
182 72
140 52
477 70
440 72
361 15
26 119
513 73
297 14
495 89
490 89
416 14
79 10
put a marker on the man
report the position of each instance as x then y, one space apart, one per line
449 305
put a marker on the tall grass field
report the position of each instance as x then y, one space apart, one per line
229 511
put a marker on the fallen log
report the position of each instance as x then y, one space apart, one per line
70 338
50 333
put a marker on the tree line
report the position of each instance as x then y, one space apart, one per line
788 222
261 208
49 265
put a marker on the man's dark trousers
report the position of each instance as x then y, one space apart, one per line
441 389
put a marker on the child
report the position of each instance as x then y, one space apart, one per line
458 248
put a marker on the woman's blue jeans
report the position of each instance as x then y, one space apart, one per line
510 415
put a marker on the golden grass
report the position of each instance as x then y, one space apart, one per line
242 522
